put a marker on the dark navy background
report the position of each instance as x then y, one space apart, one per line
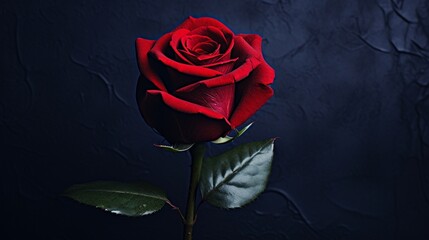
351 110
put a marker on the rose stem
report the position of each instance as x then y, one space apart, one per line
197 155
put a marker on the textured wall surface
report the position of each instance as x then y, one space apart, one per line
351 108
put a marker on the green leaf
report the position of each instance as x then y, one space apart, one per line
228 139
176 147
238 176
130 199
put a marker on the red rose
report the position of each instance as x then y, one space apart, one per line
200 81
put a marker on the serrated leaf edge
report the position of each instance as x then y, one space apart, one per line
206 197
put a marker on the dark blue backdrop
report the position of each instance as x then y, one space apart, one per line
351 108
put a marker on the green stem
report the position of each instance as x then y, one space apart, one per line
197 155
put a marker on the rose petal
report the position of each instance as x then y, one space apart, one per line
230 78
226 39
193 23
203 60
224 66
204 48
223 38
218 99
208 26
212 51
199 58
143 47
161 47
175 43
252 93
180 121
254 40
211 55
194 42
243 50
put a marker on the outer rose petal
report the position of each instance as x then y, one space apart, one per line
192 23
143 47
230 78
254 40
252 93
177 120
219 99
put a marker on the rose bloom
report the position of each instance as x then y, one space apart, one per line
201 81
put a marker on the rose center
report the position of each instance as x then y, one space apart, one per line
201 45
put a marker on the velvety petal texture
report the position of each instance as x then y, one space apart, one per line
179 121
200 81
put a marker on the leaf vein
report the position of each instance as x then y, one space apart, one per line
124 192
233 174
